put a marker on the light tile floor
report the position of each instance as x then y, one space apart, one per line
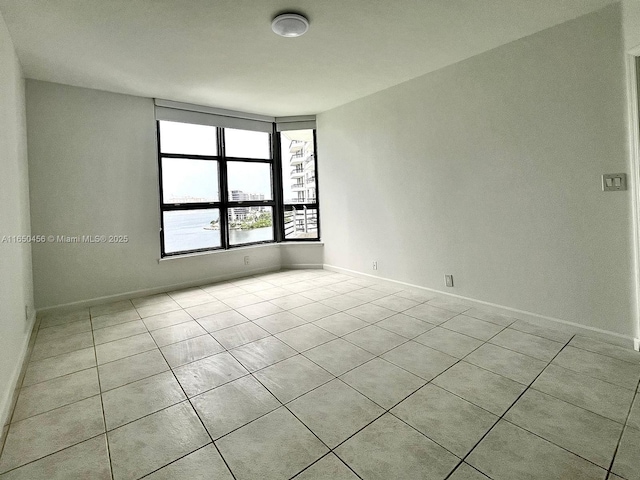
313 374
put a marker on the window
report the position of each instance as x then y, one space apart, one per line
224 186
299 185
216 187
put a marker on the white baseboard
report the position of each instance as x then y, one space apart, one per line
611 337
154 290
302 266
9 396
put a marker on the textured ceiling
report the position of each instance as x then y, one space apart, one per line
222 53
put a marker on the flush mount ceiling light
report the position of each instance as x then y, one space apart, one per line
290 25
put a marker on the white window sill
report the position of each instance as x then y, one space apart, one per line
318 243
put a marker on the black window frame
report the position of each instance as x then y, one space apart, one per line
309 205
278 207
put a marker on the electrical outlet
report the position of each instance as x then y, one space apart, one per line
375 265
636 344
448 280
246 260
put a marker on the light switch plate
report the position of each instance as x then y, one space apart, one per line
613 182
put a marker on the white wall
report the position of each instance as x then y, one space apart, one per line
93 171
490 170
16 289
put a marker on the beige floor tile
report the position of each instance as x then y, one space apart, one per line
292 377
500 455
58 346
335 411
162 320
375 339
423 361
634 415
416 295
449 342
492 392
197 299
123 330
445 418
243 300
273 292
61 318
233 405
408 327
449 303
429 313
262 353
58 366
532 345
305 337
203 463
382 382
607 349
342 302
338 356
150 300
112 319
340 323
158 308
113 307
177 333
152 442
239 335
291 301
202 375
370 313
626 461
275 446
388 448
279 322
191 350
395 303
313 311
56 393
130 369
602 367
557 335
597 396
497 318
472 327
64 330
467 472
510 364
586 434
86 460
44 434
328 467
319 293
209 308
138 399
219 321
366 294
109 352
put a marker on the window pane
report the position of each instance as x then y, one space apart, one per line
250 224
246 144
188 139
249 181
298 167
186 230
301 222
186 180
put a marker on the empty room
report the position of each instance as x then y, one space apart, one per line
261 240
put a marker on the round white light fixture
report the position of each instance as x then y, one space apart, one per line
290 25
